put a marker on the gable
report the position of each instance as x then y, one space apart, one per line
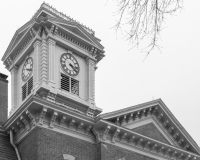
150 127
75 30
19 36
158 111
151 131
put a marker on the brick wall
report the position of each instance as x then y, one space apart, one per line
151 131
111 152
3 98
44 144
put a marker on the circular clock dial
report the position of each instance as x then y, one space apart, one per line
69 64
27 69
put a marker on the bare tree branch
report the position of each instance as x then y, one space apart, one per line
143 19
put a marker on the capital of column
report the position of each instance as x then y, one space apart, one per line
36 43
90 61
14 69
51 41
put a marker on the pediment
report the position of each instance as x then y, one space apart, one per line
157 113
75 29
19 35
69 24
150 128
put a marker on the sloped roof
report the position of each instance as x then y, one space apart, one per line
158 111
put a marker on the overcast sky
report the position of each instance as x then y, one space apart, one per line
123 79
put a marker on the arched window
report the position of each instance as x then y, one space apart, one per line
68 157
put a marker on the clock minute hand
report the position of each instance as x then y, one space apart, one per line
72 67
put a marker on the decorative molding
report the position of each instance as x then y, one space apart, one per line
80 126
140 142
25 123
62 122
96 135
73 41
105 134
31 117
52 29
115 135
24 45
143 113
137 115
67 18
130 118
88 129
131 140
53 118
44 60
123 136
42 116
147 145
71 123
19 124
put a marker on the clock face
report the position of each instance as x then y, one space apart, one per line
27 69
69 64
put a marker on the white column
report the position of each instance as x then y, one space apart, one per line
36 65
14 86
51 48
44 60
91 81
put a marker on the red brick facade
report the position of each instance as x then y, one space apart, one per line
43 144
3 98
111 152
151 131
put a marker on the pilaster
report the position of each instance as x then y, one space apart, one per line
51 48
14 85
36 64
44 60
91 81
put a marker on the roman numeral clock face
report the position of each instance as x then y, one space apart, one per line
27 69
69 64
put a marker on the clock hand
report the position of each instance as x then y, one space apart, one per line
28 69
72 67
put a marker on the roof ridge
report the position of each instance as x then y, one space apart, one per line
63 16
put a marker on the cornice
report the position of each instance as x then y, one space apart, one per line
112 133
179 126
78 27
162 114
56 13
14 37
76 35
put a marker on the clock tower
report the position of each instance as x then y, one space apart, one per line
52 60
54 57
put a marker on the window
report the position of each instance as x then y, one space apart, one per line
27 88
69 84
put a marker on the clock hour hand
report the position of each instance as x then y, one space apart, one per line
28 69
72 67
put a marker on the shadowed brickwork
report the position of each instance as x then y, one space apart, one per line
111 152
44 144
3 98
7 152
151 131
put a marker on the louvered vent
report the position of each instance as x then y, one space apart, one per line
69 84
74 86
27 88
65 82
24 91
30 85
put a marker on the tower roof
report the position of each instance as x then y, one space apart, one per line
60 15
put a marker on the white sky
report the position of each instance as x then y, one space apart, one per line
123 79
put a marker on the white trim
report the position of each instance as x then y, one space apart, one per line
149 120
